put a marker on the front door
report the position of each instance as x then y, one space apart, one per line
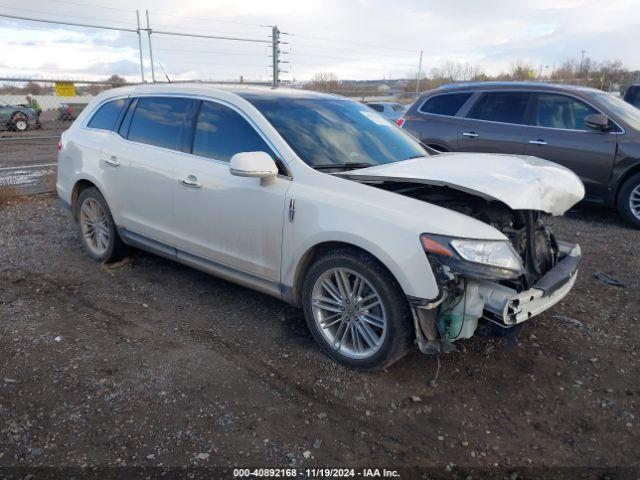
235 222
559 134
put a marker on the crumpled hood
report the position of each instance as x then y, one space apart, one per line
519 181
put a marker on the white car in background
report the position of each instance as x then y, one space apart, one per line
319 201
391 110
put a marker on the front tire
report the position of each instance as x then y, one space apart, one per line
356 311
98 232
629 201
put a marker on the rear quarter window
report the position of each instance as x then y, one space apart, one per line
107 115
445 104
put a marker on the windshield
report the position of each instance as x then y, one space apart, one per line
627 112
330 132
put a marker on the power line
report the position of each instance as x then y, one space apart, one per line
73 24
348 50
51 21
92 6
381 47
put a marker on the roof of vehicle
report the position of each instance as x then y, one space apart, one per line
385 103
254 91
524 85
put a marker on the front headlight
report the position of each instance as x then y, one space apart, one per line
490 259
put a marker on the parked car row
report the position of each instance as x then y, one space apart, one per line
591 132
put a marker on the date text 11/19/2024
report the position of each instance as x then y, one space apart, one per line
316 473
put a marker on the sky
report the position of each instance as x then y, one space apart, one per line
353 39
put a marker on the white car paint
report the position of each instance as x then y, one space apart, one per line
521 182
241 229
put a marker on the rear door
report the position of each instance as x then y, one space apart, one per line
155 133
496 123
559 134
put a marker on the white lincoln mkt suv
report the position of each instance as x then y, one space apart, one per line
323 203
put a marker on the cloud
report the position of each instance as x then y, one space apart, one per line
354 39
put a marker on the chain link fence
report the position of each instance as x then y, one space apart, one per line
33 115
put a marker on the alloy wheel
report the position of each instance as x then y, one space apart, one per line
94 226
21 125
349 313
634 202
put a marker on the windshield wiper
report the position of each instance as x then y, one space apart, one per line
342 166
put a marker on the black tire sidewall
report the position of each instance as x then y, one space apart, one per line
399 331
623 200
110 253
16 118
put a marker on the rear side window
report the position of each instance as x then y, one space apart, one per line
107 115
164 122
448 104
221 132
376 107
505 107
560 111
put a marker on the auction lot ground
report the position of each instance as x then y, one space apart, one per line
152 363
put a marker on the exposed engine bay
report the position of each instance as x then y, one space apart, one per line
531 239
495 305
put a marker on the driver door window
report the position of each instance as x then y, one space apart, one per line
559 111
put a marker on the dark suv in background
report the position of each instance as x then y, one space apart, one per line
588 131
632 95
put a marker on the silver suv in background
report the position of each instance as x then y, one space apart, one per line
391 110
588 131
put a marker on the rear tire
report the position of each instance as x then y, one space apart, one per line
356 311
98 232
629 201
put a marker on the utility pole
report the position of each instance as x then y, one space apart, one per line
418 75
582 60
153 73
140 46
275 56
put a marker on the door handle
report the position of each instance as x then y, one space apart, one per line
537 142
470 134
191 181
113 161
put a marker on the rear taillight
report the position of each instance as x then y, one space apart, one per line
59 145
69 110
400 122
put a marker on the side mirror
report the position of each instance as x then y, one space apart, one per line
253 164
597 121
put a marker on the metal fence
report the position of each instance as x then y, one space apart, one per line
32 117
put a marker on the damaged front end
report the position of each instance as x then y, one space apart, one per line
492 285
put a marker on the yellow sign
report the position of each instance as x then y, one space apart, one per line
65 89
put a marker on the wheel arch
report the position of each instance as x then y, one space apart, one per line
626 175
316 251
79 186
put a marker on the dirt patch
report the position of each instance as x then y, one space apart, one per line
149 362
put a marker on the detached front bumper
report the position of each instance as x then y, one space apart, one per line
506 306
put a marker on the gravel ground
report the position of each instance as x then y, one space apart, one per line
150 363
